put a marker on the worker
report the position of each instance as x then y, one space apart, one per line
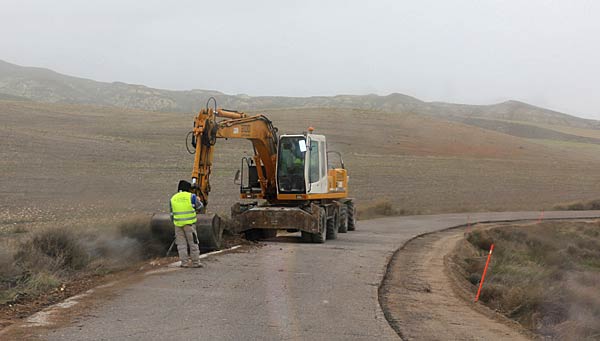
183 214
293 158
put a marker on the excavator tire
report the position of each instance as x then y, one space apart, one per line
208 230
351 216
319 238
332 225
306 237
343 224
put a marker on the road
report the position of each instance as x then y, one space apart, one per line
284 290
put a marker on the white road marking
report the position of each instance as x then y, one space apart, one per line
42 318
178 263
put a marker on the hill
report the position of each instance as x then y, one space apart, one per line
47 86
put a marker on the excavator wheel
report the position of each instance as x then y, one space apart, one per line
343 223
208 229
332 225
351 216
306 237
317 238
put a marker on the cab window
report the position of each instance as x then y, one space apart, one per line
290 168
313 171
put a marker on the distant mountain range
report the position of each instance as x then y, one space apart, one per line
43 85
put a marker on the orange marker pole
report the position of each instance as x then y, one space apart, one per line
469 224
487 263
541 217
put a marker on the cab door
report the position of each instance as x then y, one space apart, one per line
317 165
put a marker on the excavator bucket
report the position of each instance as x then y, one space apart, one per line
208 228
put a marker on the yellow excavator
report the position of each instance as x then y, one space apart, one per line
290 183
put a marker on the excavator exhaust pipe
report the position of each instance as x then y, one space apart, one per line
208 229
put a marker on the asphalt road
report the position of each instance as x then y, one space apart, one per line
284 290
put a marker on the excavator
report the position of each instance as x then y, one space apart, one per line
290 183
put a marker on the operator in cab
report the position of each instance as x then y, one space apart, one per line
183 214
293 165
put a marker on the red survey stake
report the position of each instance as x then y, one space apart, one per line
487 263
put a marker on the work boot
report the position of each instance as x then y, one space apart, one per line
197 265
186 264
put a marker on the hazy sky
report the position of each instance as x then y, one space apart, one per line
543 52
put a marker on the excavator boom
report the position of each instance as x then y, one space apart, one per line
258 129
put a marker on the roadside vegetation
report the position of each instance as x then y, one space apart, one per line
545 276
579 206
46 260
380 208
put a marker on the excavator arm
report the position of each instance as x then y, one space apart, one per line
258 129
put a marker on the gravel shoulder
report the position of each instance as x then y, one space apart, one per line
421 302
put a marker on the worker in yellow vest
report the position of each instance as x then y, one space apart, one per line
183 214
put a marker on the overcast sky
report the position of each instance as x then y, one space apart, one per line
543 52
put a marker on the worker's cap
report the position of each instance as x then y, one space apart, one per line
184 186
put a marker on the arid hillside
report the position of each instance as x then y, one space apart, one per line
43 85
68 161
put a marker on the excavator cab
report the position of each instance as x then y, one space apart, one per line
291 164
302 164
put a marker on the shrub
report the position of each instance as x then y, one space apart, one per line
381 208
480 239
53 250
579 206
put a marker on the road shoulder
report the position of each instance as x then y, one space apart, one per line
422 301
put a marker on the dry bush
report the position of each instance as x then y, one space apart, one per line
28 285
380 208
480 239
545 276
579 206
41 263
8 274
52 256
53 250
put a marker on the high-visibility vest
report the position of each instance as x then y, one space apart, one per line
182 211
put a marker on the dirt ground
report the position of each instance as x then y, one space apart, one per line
421 303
